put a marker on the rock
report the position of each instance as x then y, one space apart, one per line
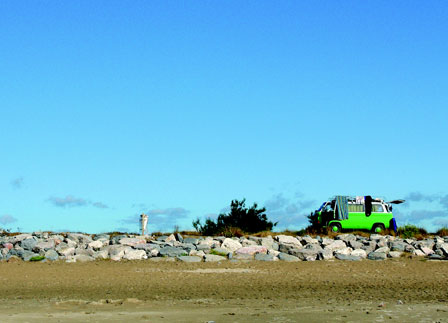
231 244
304 254
51 255
377 255
191 240
44 245
326 241
20 237
81 251
308 240
444 248
83 258
359 253
383 250
29 243
170 238
213 258
252 250
341 256
95 245
355 244
264 257
66 252
9 246
395 254
283 239
427 251
345 251
172 252
273 252
418 253
179 237
102 254
398 246
189 259
131 254
286 257
409 248
267 242
131 241
117 252
336 245
345 237
242 257
162 238
326 254
435 257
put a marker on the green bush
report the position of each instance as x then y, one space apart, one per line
37 258
217 253
239 220
411 231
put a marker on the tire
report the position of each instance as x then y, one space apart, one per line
335 227
378 228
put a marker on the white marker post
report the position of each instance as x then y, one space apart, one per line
143 222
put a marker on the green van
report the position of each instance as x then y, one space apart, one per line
360 212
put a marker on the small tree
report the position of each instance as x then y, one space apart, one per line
249 220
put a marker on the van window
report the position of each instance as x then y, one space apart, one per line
377 208
356 207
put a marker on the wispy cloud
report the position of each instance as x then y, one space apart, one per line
419 197
288 212
70 201
7 219
17 183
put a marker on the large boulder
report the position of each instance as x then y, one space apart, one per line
131 254
359 253
252 250
341 256
28 243
171 252
83 258
305 254
51 255
116 252
44 245
336 245
264 257
286 257
231 244
67 251
96 245
131 241
283 239
377 255
398 246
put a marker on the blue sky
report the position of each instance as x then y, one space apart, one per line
174 108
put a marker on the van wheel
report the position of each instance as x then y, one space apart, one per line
378 228
335 227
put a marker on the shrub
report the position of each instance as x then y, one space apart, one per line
217 253
239 220
411 231
37 258
443 232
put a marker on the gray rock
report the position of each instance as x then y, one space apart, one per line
189 258
67 251
435 257
27 255
359 253
102 236
179 237
172 252
264 257
409 248
304 254
51 255
242 257
398 246
355 244
395 254
286 257
44 245
131 254
88 252
231 244
222 251
214 258
382 250
29 243
116 239
377 255
283 239
191 240
341 256
325 254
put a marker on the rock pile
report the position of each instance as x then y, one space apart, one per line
77 247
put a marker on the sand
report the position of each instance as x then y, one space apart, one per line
401 290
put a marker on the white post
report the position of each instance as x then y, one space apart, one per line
143 222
